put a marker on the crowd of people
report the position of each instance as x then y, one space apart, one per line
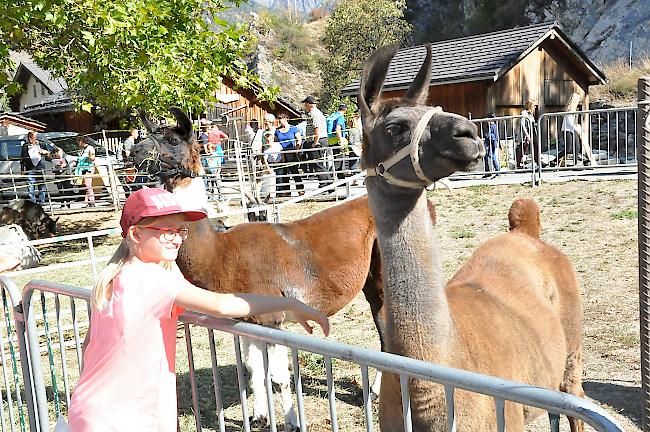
315 147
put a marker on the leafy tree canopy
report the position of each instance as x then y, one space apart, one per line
128 53
353 31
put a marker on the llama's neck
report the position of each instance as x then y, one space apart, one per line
419 323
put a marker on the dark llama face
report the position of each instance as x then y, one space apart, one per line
168 152
448 142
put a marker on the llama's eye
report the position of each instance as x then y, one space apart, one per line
394 129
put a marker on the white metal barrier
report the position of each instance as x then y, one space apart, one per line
50 404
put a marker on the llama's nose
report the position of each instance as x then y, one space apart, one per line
465 129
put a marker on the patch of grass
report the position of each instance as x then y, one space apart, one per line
461 234
625 214
480 189
312 362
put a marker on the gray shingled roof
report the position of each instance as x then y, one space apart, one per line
472 58
55 85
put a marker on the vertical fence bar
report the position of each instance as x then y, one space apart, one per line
91 252
331 395
297 381
451 409
216 381
554 421
406 402
367 403
64 366
268 386
195 393
5 374
75 330
500 406
242 386
643 154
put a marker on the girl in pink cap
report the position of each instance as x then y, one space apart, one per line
128 381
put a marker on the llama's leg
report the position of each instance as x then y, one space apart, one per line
572 383
279 363
252 352
374 293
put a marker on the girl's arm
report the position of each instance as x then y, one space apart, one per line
244 305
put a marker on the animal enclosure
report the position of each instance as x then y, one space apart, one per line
592 222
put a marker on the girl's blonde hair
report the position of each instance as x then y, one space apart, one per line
103 288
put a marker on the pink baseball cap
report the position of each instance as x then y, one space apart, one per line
150 202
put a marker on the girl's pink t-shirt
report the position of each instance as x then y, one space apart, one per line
129 380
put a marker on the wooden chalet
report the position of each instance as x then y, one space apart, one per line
243 105
45 99
497 72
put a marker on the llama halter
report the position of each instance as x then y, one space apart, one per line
413 150
152 164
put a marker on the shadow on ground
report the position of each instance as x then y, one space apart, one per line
625 399
347 392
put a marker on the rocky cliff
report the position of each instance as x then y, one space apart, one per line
604 29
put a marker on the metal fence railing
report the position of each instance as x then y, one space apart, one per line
56 361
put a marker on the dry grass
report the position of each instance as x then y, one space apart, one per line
621 87
595 223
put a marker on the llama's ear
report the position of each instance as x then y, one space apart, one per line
418 91
183 122
372 79
148 124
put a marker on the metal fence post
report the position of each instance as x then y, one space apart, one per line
643 154
34 354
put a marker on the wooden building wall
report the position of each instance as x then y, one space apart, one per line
252 107
468 99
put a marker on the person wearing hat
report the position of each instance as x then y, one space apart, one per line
316 138
128 380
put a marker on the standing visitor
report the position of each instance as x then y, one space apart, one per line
86 167
491 143
528 133
337 134
316 139
32 159
129 142
290 139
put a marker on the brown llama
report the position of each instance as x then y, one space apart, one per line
513 310
324 260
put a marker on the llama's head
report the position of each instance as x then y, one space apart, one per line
406 142
168 153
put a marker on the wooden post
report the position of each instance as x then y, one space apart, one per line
643 157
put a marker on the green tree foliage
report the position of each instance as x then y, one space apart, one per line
352 32
128 53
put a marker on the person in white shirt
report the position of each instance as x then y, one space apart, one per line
32 164
316 137
572 130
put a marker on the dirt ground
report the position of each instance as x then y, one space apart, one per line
593 222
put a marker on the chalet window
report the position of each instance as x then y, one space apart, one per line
42 90
34 90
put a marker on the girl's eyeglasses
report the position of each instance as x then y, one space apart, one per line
170 234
